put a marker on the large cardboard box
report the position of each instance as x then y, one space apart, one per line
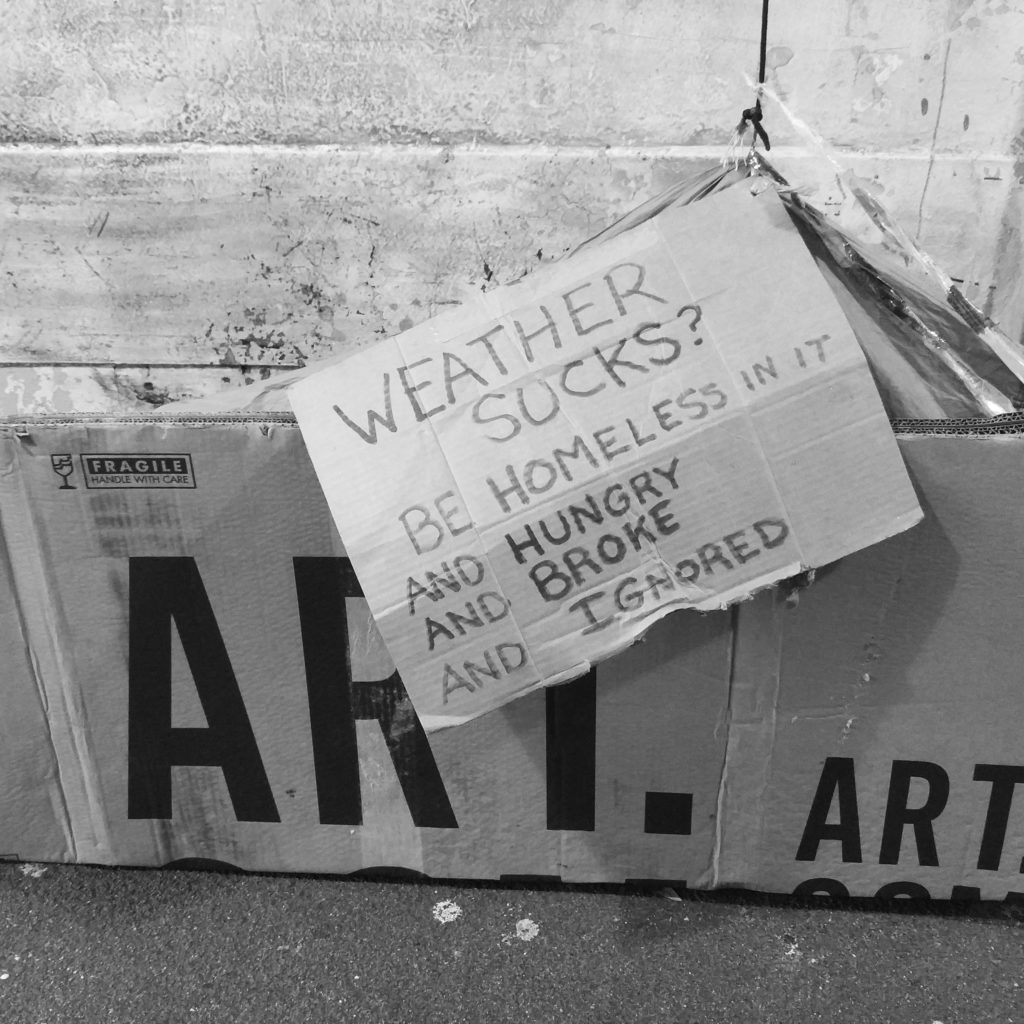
190 672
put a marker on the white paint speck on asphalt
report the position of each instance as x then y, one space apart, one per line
33 870
447 911
527 930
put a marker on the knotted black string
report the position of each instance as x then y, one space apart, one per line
752 115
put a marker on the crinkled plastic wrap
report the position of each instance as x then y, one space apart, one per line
932 353
689 190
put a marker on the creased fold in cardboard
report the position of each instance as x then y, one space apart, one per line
675 418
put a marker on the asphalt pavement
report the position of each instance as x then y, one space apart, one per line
135 946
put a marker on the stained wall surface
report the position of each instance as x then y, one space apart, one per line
197 194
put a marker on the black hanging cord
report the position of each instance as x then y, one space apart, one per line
764 43
752 115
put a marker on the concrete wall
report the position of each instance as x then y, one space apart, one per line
197 193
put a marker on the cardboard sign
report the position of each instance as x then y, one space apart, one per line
673 419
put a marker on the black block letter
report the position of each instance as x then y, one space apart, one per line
336 701
571 710
898 815
162 591
1003 778
837 774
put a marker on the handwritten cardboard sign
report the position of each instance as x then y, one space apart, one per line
672 419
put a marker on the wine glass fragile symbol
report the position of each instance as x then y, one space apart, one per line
63 466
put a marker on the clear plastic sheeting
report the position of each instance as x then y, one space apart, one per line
689 190
908 313
933 355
